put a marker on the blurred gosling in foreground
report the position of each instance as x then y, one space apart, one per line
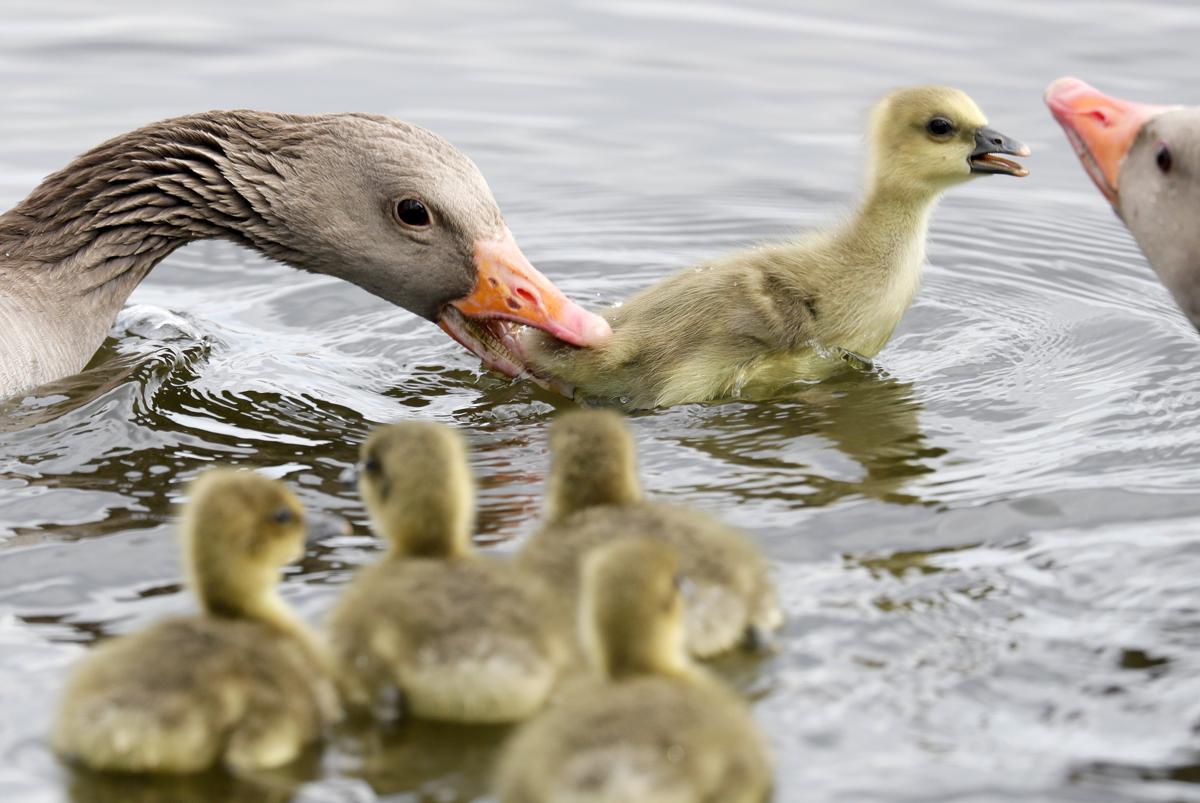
454 635
649 727
243 683
593 495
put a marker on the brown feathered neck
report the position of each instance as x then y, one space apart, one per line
101 223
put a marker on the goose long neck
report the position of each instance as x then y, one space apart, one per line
93 230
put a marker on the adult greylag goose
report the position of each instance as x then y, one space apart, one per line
593 496
434 629
1144 159
753 323
380 203
244 683
648 725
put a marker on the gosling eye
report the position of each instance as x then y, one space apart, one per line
284 516
412 213
940 127
1162 157
372 465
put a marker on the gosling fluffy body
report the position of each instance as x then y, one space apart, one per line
454 635
752 324
648 725
593 495
243 684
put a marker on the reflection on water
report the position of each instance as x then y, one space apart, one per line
871 418
986 545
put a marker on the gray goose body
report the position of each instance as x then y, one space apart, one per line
319 193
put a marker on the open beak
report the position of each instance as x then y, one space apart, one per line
1100 127
510 292
986 158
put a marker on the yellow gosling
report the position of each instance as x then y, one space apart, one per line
455 636
648 726
753 324
593 495
244 683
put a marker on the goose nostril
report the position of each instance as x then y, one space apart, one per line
528 296
512 303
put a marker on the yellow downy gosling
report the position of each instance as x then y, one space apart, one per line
752 324
593 495
459 636
244 683
649 726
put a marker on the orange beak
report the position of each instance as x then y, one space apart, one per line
1100 127
508 288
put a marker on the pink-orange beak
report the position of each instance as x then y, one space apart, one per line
1100 127
508 288
509 291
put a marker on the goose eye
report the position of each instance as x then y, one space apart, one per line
412 212
371 465
940 127
284 516
1162 157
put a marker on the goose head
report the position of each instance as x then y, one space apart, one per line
239 529
404 214
926 139
416 483
593 462
1143 158
631 614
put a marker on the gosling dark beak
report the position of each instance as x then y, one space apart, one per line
989 143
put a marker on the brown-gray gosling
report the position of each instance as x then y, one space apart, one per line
244 683
759 323
433 626
593 495
649 726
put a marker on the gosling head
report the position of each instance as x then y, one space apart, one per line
239 529
416 483
926 139
631 610
592 462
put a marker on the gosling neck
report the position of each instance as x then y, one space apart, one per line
620 650
243 593
621 661
890 225
576 485
440 540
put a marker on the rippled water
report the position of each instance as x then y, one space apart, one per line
989 549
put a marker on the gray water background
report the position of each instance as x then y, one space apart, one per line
989 549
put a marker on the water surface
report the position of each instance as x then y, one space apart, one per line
989 548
